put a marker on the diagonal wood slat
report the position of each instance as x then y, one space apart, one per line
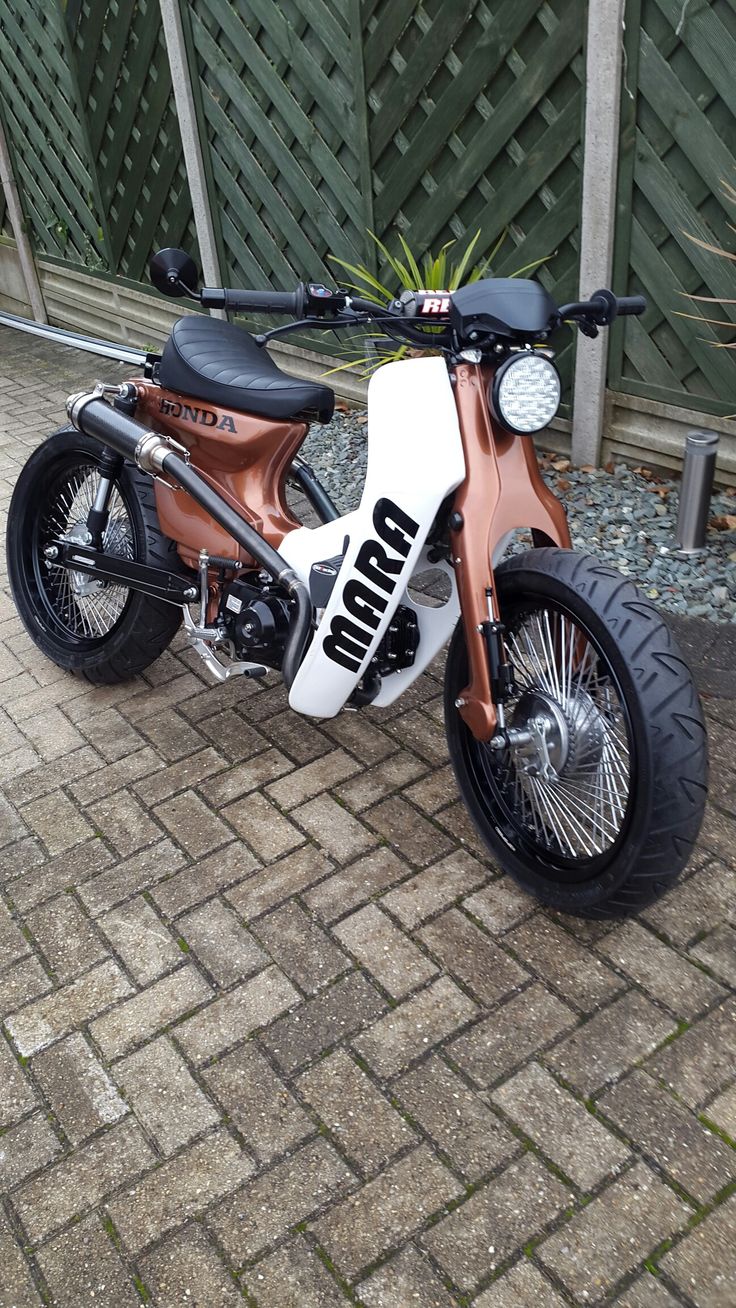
677 150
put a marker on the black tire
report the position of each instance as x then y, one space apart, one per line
651 710
138 628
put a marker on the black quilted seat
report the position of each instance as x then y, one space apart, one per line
213 360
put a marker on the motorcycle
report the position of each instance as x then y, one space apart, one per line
573 724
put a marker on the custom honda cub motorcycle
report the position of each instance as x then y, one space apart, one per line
573 724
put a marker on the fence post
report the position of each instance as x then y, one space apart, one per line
25 253
603 69
193 161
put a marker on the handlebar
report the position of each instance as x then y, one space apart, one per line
602 308
216 297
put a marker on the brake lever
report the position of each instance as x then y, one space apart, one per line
588 328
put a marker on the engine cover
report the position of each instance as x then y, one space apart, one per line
257 621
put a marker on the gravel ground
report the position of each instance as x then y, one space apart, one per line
626 515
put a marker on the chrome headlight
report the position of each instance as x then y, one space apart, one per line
525 395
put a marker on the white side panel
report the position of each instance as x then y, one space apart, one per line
415 458
436 625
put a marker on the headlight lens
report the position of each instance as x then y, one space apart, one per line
526 393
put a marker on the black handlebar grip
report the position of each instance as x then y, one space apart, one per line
631 305
215 297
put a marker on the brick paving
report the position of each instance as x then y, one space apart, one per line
276 1033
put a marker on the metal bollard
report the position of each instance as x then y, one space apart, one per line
701 448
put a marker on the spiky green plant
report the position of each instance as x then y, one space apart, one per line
440 272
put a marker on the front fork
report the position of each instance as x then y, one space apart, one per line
110 467
502 492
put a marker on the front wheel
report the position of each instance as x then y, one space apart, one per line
98 630
595 804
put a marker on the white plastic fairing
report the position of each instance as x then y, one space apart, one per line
415 459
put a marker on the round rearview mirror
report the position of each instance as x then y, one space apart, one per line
173 272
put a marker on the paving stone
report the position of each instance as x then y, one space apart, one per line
24 1149
183 775
618 1230
268 833
406 1278
31 887
247 777
193 824
221 944
434 889
368 788
296 735
300 947
333 829
105 781
579 977
684 989
647 1292
78 1183
390 1208
66 937
77 1087
354 731
312 779
409 1030
697 904
164 1096
565 1130
352 886
496 1221
130 877
110 733
185 889
139 936
521 1026
236 1015
16 1094
258 1103
603 1048
265 1209
51 734
418 840
361 1119
458 1121
335 1014
722 1111
700 1062
385 951
704 1265
150 1011
124 822
186 1269
181 1188
662 1128
472 957
500 905
20 983
718 952
54 1015
418 732
13 944
82 1266
271 885
434 792
293 1277
17 1288
523 1286
57 821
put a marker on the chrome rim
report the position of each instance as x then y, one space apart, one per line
565 778
83 606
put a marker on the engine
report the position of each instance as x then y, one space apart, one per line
257 621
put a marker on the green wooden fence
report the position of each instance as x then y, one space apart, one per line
85 96
322 119
677 151
434 120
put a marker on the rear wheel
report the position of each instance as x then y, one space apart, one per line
96 629
595 804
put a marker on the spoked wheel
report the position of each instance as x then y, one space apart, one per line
100 630
594 798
